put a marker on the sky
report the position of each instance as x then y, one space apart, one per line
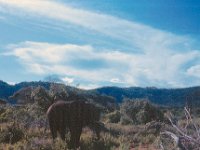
95 43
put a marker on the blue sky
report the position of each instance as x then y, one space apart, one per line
101 43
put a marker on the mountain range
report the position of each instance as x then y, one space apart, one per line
165 97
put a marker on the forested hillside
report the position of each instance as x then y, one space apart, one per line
172 97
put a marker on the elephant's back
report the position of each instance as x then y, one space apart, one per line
82 113
56 107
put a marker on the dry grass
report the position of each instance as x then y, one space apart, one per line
36 138
118 137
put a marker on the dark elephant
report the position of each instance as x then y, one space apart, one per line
75 115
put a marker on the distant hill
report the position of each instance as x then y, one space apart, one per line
23 89
170 97
7 90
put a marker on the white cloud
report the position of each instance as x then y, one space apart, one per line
116 80
160 69
160 61
194 71
11 83
35 67
67 80
43 58
89 86
138 35
47 53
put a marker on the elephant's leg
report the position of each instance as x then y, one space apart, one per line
78 135
97 131
95 128
53 128
75 137
62 132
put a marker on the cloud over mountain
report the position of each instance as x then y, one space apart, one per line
153 57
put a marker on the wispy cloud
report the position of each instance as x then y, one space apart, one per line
140 36
162 58
165 68
45 58
68 80
116 80
194 71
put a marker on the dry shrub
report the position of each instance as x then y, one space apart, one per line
106 142
11 134
186 135
113 117
140 111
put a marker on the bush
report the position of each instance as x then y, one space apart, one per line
113 117
125 120
2 110
11 134
41 98
6 114
140 112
